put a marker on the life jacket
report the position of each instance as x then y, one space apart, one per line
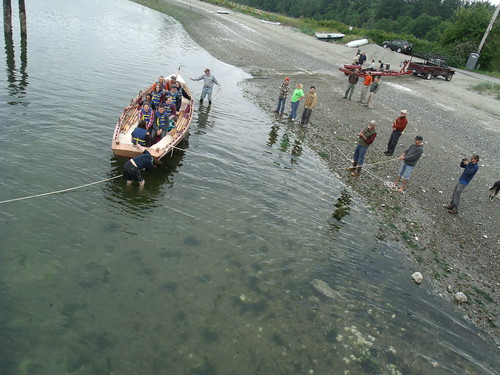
161 119
146 116
139 136
156 98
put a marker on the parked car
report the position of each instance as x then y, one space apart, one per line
433 67
398 45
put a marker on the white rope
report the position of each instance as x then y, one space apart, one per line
59 191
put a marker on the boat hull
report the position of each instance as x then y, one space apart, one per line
121 143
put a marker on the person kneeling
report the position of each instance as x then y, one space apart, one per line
132 168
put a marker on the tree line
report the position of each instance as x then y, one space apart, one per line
452 28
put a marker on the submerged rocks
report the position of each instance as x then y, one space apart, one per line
324 288
417 277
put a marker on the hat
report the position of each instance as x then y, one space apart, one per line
372 122
287 79
173 77
404 111
419 138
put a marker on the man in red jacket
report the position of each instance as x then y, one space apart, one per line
398 127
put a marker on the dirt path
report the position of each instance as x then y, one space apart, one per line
457 252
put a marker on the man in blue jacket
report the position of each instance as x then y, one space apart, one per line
470 168
132 168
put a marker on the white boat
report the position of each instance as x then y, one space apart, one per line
270 22
223 11
357 43
329 35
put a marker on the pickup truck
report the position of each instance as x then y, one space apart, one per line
432 68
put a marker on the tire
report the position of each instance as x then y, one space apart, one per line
399 50
448 77
428 75
385 45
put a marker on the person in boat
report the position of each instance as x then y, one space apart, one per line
157 96
160 123
161 81
132 168
174 94
171 83
146 113
209 81
284 88
140 135
147 99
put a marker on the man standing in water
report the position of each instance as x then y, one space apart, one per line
132 168
470 168
208 83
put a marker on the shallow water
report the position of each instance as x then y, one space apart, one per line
210 268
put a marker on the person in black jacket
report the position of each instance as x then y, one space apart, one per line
410 158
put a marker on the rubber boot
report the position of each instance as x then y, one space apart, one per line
353 168
357 172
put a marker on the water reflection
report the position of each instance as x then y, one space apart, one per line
18 82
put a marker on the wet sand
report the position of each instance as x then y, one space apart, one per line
453 252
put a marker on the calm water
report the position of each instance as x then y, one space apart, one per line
208 269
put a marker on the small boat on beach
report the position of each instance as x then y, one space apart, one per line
329 35
121 143
271 22
223 11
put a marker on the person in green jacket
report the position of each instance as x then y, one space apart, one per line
366 138
297 96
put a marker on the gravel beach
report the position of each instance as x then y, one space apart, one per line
455 253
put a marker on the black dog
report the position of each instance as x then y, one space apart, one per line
494 190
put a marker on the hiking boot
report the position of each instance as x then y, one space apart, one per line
448 206
452 211
353 168
357 172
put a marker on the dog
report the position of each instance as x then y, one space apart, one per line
494 190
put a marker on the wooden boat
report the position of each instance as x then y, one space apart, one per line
329 35
121 143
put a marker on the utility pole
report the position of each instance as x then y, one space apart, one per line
488 29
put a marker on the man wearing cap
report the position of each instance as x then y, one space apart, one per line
398 127
470 168
366 138
410 158
284 88
208 83
309 105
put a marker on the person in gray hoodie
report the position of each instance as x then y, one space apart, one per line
208 83
410 158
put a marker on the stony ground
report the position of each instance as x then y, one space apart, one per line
455 252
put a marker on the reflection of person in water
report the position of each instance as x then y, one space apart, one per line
273 135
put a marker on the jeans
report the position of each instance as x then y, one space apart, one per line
281 105
359 155
405 171
293 113
459 187
306 115
206 90
393 141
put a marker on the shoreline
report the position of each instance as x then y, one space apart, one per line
454 252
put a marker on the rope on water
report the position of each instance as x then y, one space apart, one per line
59 191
